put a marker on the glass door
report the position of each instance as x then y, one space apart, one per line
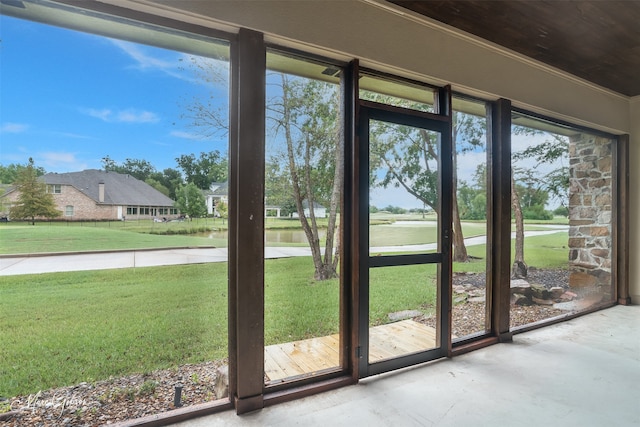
404 245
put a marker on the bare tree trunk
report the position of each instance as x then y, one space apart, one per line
459 248
325 267
519 269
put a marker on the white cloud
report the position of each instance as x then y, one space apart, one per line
9 127
467 164
146 62
72 135
129 115
133 116
60 162
186 135
103 114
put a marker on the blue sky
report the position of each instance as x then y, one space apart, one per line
68 99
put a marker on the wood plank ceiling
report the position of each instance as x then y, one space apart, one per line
598 41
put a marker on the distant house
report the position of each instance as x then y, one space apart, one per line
218 192
318 210
100 195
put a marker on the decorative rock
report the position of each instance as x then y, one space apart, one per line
459 299
542 301
479 300
519 270
519 299
556 292
221 385
520 286
539 291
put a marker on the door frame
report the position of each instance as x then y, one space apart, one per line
434 122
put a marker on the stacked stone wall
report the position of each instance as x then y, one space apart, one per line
590 211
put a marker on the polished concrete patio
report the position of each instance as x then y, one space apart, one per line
583 372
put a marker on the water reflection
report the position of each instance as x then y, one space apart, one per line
271 236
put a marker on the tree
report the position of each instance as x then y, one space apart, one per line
204 170
33 200
306 115
278 189
138 168
9 173
519 270
170 179
410 158
158 186
553 149
222 209
472 202
190 201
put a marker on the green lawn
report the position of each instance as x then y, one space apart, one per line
63 328
416 234
16 239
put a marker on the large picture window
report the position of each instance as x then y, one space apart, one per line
562 209
137 130
304 177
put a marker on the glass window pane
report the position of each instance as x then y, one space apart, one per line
469 293
303 186
118 131
403 311
404 188
562 208
396 92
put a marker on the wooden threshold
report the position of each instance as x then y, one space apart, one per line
313 356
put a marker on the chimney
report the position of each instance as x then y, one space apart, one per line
101 192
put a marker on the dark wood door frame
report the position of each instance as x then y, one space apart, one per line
439 123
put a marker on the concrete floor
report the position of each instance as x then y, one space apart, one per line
583 372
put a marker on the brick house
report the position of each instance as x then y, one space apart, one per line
100 195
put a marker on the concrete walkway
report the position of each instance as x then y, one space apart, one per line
35 264
14 265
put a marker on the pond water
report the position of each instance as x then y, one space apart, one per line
272 236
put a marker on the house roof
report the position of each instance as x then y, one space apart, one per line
220 189
119 189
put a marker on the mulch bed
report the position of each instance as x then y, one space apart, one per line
117 399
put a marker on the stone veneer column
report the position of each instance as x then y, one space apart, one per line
590 214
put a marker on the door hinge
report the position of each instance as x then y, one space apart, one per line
359 352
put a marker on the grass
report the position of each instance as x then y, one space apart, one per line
20 238
416 234
64 328
393 289
16 239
